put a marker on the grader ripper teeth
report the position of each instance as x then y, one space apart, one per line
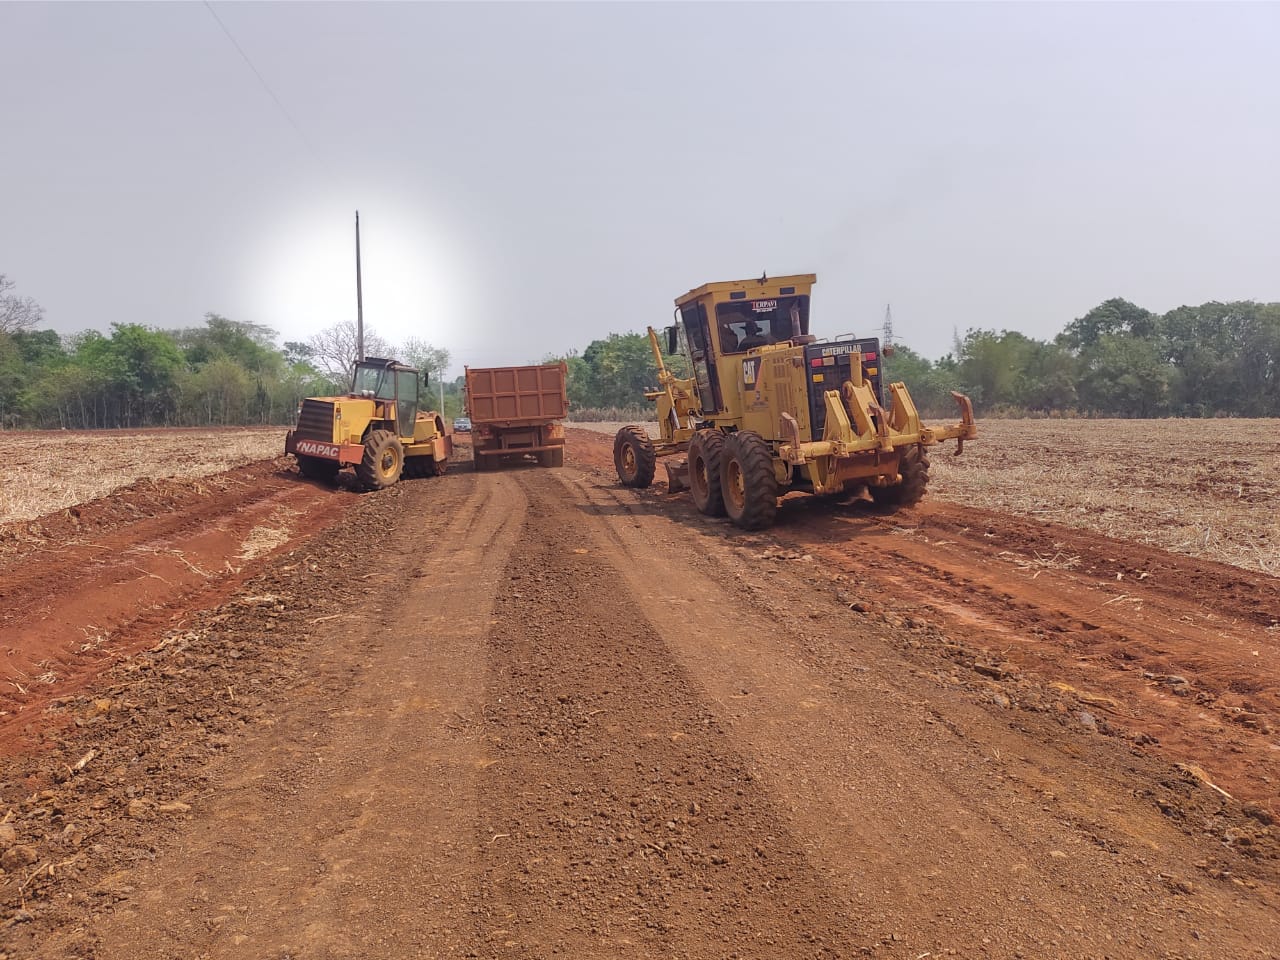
771 409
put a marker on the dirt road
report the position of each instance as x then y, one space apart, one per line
533 714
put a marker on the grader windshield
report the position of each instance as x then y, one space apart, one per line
745 324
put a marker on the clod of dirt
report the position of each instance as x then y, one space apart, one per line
17 857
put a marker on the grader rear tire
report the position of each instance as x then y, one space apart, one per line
706 451
383 460
748 482
914 467
634 457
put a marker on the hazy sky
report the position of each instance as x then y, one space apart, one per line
534 176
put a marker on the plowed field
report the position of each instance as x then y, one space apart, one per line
531 713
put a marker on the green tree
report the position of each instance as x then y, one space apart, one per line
141 367
1110 317
1124 375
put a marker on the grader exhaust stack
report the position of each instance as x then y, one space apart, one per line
771 409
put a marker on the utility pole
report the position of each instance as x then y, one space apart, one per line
886 348
359 297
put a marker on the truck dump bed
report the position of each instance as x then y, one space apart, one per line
517 395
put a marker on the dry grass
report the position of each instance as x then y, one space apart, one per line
49 471
1208 488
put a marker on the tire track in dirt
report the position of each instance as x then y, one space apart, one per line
944 825
345 831
620 820
1160 651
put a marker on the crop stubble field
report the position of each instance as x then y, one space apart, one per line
47 471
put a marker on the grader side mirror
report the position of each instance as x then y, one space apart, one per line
887 350
671 340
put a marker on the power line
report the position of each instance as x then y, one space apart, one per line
265 86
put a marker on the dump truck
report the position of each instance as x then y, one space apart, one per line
376 428
515 412
771 409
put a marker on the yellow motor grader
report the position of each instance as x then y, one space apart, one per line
377 428
771 409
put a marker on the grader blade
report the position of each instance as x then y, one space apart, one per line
677 475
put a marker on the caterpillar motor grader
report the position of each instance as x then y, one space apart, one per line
377 428
771 409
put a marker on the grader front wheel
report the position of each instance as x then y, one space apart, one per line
748 482
914 467
634 457
706 451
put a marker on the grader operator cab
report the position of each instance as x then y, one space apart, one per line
377 428
771 409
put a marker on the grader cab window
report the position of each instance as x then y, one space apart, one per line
745 324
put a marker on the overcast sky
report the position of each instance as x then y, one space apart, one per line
532 176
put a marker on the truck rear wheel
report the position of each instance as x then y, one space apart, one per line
706 451
317 468
551 458
634 457
747 481
914 467
383 460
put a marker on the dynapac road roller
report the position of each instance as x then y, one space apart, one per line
377 428
771 409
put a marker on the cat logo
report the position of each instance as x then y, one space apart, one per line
750 371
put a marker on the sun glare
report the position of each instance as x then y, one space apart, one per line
306 275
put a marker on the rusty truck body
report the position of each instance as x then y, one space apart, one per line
516 412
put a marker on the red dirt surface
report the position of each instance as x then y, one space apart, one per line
532 713
90 585
1170 651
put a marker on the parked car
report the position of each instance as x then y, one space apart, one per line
461 424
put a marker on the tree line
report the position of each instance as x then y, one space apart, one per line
220 373
1118 360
